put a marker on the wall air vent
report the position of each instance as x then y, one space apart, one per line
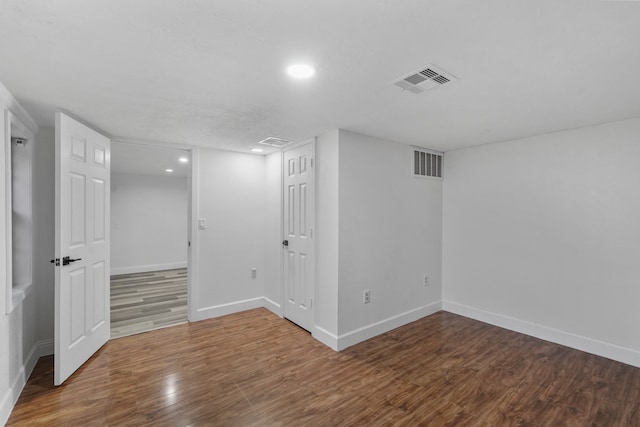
273 141
427 163
428 78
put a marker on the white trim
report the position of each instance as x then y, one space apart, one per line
149 267
299 144
568 339
45 347
229 308
273 307
42 348
325 337
193 248
10 103
364 333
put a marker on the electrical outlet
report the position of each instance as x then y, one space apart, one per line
366 296
426 280
254 273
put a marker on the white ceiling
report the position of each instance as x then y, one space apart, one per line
148 160
211 73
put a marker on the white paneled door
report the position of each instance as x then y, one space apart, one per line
82 319
299 196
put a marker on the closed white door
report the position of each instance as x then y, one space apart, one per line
299 196
82 318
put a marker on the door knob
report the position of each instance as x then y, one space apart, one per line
285 243
67 260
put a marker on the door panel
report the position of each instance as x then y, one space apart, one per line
82 313
298 219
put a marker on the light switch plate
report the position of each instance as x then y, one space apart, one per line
202 224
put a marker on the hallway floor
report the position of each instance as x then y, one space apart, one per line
147 301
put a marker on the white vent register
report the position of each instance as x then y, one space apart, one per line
427 163
427 78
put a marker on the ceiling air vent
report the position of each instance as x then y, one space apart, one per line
425 79
273 141
427 163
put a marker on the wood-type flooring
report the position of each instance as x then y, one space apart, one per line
142 302
256 369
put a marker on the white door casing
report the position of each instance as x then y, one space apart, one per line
82 317
298 216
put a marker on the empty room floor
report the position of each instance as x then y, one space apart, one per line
254 368
142 302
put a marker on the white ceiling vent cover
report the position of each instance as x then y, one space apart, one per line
427 78
273 141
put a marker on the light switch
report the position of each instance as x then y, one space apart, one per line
202 224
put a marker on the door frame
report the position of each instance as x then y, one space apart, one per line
192 221
313 142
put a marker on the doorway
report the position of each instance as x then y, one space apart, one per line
149 237
299 223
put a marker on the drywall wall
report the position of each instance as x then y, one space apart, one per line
389 234
273 233
541 235
44 193
232 200
327 261
148 222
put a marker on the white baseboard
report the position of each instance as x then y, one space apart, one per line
45 348
325 337
374 329
273 306
579 342
229 308
145 268
42 348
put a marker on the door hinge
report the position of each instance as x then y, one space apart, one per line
312 162
310 303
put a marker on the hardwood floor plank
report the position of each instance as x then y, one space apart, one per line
255 369
142 302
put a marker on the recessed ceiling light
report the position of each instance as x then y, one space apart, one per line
183 160
168 170
300 71
257 150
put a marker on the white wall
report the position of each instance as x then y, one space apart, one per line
273 233
44 232
389 233
149 227
542 235
327 256
232 200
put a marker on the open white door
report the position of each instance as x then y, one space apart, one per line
299 197
82 317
